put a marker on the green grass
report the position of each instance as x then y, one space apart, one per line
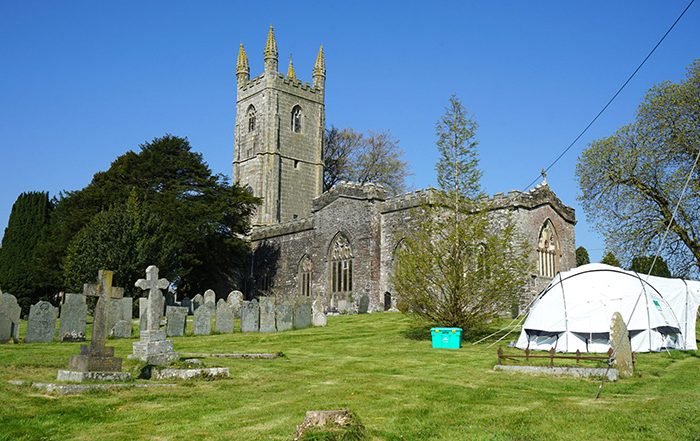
398 386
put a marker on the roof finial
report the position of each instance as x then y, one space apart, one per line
290 69
320 65
271 45
543 172
242 63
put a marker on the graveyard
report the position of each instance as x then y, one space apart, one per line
379 366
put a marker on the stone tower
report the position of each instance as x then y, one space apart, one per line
280 123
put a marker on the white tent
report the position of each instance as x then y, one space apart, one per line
574 311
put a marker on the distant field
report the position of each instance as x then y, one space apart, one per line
399 387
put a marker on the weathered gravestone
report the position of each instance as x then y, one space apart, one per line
97 361
153 348
210 300
186 302
170 299
197 301
620 344
224 317
10 312
143 314
202 321
73 318
284 316
41 326
235 300
319 315
267 314
302 314
250 316
119 315
177 320
364 304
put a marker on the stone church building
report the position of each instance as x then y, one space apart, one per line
340 245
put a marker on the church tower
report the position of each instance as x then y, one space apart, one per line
280 124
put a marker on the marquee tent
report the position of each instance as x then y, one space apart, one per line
574 311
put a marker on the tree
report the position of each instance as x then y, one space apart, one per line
351 156
610 259
26 228
457 269
642 265
203 218
582 257
632 180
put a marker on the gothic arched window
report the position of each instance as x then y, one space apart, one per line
341 265
305 276
250 115
547 250
296 119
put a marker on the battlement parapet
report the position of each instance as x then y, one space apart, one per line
350 190
269 231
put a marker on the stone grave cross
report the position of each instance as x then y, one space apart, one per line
153 285
104 291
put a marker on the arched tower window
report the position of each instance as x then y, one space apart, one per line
296 119
547 250
250 115
305 276
341 265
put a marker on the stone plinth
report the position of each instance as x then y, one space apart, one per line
153 348
102 360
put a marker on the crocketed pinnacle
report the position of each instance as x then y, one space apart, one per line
271 45
242 66
320 66
290 69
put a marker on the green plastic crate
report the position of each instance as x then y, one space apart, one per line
446 338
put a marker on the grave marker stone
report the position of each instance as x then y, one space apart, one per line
176 321
10 312
364 304
621 346
284 316
186 302
202 321
224 317
250 316
143 314
210 300
235 300
197 301
41 326
267 314
153 348
73 318
302 314
319 315
121 310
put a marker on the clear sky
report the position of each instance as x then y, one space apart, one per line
82 82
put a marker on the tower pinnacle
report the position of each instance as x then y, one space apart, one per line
271 52
242 67
319 72
290 70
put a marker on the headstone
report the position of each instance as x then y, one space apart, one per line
176 321
97 358
224 317
284 316
250 316
235 300
152 347
186 302
73 318
41 326
197 301
202 321
143 314
364 304
343 306
10 312
170 299
302 314
210 300
120 317
319 315
620 344
267 314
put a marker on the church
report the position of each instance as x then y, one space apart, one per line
340 246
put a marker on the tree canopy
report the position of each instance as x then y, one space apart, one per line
166 199
632 180
610 259
642 265
352 156
26 228
582 257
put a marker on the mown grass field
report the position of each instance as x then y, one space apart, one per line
399 387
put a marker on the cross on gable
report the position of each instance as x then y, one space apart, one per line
152 281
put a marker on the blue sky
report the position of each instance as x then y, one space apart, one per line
83 82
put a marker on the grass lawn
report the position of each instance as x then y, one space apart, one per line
400 388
